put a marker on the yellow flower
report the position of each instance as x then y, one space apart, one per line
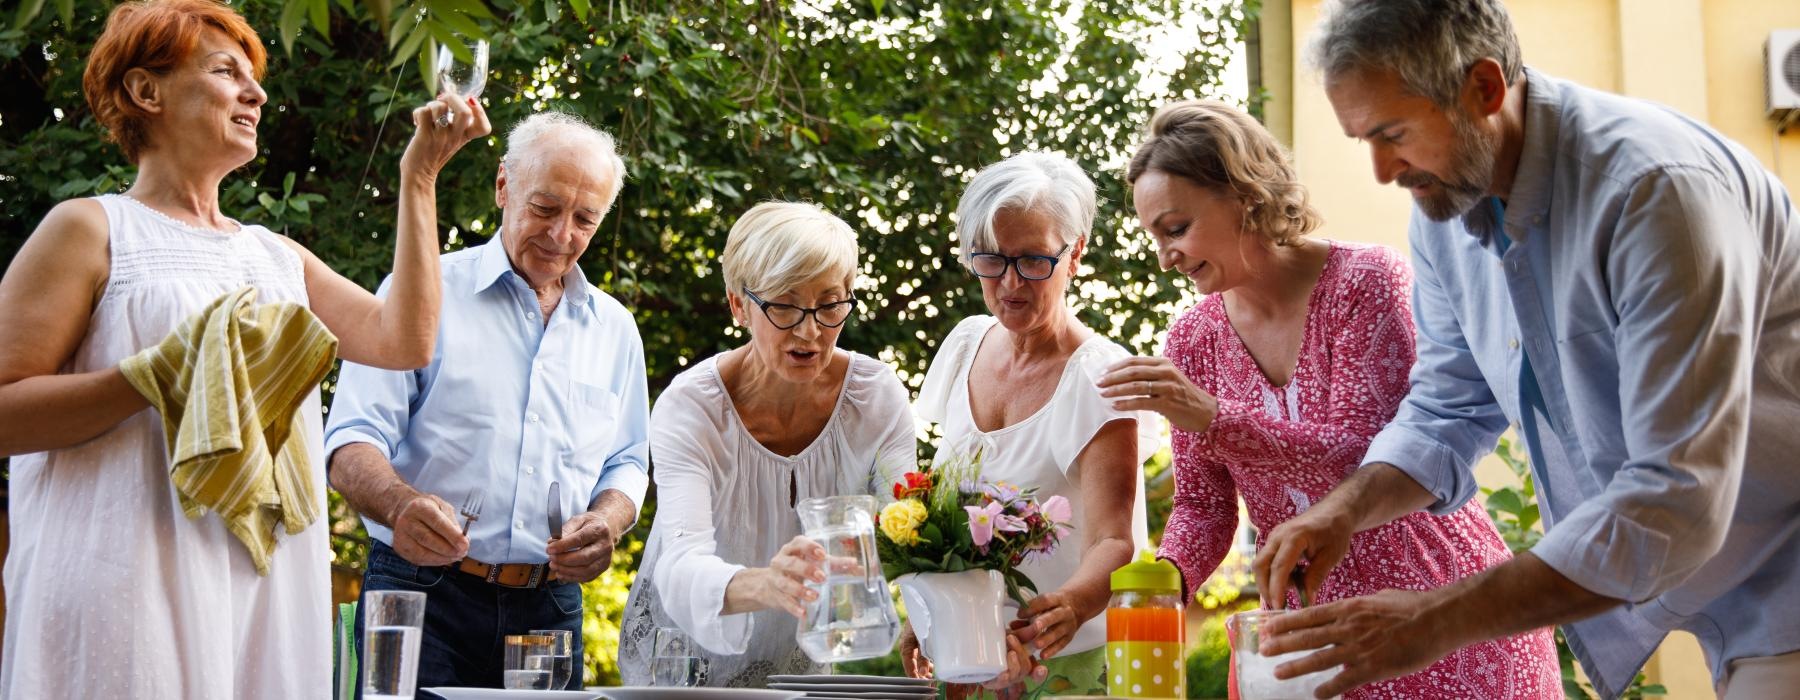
900 521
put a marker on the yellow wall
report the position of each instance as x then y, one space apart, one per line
1703 57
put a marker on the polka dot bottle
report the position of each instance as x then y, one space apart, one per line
1146 632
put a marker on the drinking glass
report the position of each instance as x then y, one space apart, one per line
677 662
561 650
461 70
391 633
1256 673
529 663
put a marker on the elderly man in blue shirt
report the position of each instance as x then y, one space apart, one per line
1621 285
538 380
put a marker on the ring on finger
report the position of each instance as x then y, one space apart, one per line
443 119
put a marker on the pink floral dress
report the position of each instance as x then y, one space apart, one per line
1283 448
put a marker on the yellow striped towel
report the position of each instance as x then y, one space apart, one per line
229 383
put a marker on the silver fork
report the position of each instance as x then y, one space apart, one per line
471 509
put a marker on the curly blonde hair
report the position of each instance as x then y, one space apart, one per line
1219 147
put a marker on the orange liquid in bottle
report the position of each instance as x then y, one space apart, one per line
1144 625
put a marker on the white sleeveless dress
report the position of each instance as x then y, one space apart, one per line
110 591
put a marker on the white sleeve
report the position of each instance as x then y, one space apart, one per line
889 426
691 578
1081 411
953 354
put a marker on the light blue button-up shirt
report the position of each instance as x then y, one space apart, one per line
1653 281
508 405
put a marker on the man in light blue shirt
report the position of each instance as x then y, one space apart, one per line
537 380
1621 285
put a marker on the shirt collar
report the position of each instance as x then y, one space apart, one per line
1529 200
493 265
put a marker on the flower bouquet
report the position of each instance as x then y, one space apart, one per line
953 542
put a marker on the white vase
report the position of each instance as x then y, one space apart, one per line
961 621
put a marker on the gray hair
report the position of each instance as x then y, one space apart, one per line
557 128
776 247
1046 183
1429 44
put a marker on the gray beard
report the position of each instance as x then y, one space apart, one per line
1471 174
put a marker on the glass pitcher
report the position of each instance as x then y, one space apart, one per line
853 617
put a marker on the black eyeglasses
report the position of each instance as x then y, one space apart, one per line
1031 267
785 316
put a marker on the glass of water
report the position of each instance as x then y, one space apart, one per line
561 648
390 658
529 663
1256 673
677 662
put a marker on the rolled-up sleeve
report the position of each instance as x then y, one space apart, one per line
627 467
1682 276
372 406
1450 417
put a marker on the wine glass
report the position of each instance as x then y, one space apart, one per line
461 70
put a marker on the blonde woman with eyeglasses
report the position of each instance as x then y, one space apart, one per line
743 436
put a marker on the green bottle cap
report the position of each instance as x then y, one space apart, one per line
1147 574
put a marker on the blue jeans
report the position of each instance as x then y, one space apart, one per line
467 619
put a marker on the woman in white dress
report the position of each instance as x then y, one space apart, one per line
1018 386
111 592
743 436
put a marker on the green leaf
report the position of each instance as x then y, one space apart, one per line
458 22
473 8
28 11
1505 501
66 8
552 11
580 7
878 4
404 26
300 204
449 39
293 12
413 40
266 201
321 17
287 184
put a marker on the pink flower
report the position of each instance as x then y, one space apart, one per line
1010 523
1002 492
981 522
1058 510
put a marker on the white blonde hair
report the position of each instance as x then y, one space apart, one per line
1035 181
546 129
776 247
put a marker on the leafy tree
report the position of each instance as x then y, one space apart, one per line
878 111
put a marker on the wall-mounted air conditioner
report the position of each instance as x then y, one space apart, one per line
1781 61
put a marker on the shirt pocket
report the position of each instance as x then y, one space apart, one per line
595 414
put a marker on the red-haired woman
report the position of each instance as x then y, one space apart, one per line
111 592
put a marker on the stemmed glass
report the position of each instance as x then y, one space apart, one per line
461 71
562 662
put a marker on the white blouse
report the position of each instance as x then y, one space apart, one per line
1039 451
726 503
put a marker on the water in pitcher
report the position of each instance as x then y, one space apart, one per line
853 616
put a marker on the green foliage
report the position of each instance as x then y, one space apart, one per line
1514 510
877 111
1209 654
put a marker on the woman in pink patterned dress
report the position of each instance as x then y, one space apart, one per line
1277 380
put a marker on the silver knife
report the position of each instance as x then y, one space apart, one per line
554 506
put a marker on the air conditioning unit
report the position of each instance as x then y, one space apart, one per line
1781 58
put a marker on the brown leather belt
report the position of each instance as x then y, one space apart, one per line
508 575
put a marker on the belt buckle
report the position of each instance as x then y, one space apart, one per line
493 573
537 572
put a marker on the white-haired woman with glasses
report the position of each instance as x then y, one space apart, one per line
743 436
1017 387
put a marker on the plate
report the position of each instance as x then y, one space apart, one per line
857 689
498 694
884 695
864 680
642 693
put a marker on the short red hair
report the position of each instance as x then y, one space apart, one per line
155 35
